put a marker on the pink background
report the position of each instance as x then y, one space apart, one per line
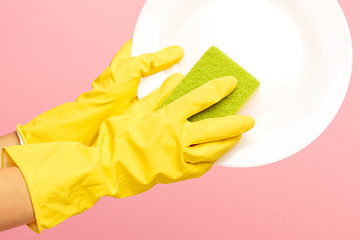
50 51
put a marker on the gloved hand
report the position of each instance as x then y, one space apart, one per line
113 92
133 152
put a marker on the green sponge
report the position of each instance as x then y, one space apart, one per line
215 64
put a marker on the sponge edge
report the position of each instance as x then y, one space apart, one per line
216 64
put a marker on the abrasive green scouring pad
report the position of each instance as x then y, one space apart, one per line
215 64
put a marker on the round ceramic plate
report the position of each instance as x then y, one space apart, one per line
300 51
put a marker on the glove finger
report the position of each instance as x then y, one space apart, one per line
201 97
123 53
211 151
198 170
149 63
128 73
215 129
152 101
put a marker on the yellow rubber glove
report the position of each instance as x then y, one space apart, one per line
113 92
133 152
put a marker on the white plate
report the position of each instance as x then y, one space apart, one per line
300 51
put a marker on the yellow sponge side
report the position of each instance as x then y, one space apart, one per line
215 64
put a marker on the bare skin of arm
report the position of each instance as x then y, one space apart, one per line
15 203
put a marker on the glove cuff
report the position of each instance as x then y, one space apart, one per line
21 134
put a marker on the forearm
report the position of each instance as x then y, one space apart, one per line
8 140
15 203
